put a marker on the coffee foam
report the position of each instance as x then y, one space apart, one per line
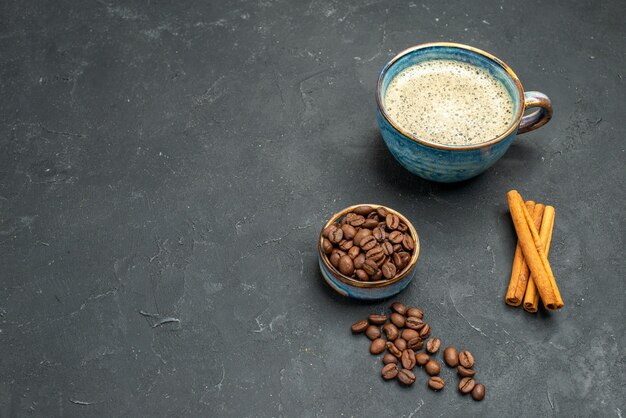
449 102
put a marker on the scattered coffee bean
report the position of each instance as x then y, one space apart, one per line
432 367
398 308
400 343
414 323
359 326
393 349
389 270
415 312
346 265
425 331
390 371
478 393
377 346
432 345
397 319
451 356
421 358
406 377
436 383
390 358
377 319
408 359
466 359
391 331
466 385
408 334
465 372
372 332
415 343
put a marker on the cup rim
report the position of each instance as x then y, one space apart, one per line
493 58
379 283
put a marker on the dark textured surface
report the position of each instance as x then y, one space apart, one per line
163 161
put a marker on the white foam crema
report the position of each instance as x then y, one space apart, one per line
449 102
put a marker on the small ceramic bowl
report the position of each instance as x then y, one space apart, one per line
374 290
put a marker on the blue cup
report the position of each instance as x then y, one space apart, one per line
452 163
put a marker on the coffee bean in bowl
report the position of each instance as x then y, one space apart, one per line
368 252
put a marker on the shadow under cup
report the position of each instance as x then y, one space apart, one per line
434 161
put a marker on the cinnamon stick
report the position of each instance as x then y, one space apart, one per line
519 271
533 252
531 298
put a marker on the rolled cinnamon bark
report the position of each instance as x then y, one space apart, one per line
520 270
531 298
533 252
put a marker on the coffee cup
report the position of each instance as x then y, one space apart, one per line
444 159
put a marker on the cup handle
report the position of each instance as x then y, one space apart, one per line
540 116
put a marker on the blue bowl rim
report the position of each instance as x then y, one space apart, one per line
376 284
496 60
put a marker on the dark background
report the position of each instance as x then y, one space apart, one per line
177 160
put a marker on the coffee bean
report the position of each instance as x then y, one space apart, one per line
397 319
416 312
359 260
359 326
398 307
451 356
409 334
335 236
389 270
408 359
349 216
327 246
401 260
375 253
370 224
432 367
379 234
465 372
392 221
346 266
436 383
334 259
363 210
402 227
466 385
413 323
357 220
367 243
372 332
395 237
478 393
425 331
377 276
377 346
348 231
400 343
432 345
391 331
360 234
382 261
382 225
373 215
397 248
370 267
393 349
327 230
389 371
377 319
345 244
466 359
406 377
387 247
408 243
389 358
415 343
422 358
354 252
361 275
382 212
